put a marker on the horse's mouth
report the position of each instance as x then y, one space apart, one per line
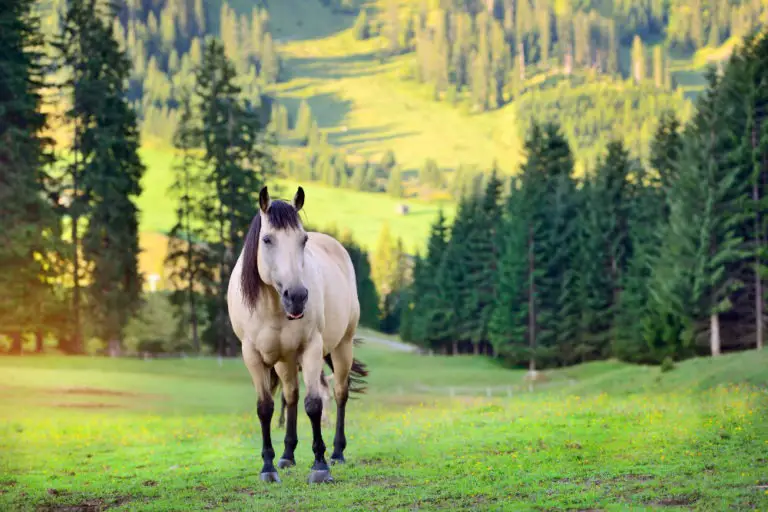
295 317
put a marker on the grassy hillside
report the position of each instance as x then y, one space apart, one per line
362 100
362 213
149 435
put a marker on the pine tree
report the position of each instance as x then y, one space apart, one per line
482 263
638 60
393 27
186 257
395 183
106 172
303 123
29 222
658 66
510 318
361 28
424 291
447 305
237 151
606 242
695 277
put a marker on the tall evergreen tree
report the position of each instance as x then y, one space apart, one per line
107 170
695 278
482 264
29 223
236 149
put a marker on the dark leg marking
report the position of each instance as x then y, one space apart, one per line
291 437
340 440
313 405
281 419
265 408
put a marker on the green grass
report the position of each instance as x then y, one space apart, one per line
362 213
184 435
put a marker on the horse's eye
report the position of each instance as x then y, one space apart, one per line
267 240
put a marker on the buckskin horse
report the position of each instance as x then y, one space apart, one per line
292 300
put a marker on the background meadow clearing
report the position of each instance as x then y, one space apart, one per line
174 434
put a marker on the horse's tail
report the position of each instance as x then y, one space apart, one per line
357 373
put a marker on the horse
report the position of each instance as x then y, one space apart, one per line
325 395
292 300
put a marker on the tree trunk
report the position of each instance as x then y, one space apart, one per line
455 351
190 269
39 339
531 302
476 348
714 334
74 345
16 343
758 249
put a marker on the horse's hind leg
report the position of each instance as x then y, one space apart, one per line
262 381
281 419
312 367
288 373
341 357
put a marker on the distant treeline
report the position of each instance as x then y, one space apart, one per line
630 262
165 41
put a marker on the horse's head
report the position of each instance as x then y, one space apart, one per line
274 253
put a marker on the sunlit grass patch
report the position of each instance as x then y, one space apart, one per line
184 435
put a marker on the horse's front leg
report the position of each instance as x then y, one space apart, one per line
265 408
289 378
312 367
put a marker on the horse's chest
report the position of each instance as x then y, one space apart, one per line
280 343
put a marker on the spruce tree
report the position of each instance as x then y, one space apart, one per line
695 278
29 223
237 151
424 290
482 264
303 124
106 171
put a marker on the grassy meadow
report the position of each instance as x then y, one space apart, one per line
99 433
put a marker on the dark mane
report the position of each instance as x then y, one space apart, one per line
281 215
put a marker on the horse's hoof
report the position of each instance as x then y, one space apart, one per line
338 460
270 477
285 463
317 476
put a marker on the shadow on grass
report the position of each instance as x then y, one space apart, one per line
334 68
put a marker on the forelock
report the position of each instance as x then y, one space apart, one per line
282 215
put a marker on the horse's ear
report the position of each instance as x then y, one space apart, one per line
264 199
298 199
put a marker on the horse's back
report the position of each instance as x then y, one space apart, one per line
342 308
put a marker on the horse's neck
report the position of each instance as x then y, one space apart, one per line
268 301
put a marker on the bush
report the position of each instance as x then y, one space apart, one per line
153 329
667 365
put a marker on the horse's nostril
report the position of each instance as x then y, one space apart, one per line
285 293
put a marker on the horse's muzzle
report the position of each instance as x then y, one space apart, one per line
295 301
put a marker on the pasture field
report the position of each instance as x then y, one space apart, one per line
361 213
92 433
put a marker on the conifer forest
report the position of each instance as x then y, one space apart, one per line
629 223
